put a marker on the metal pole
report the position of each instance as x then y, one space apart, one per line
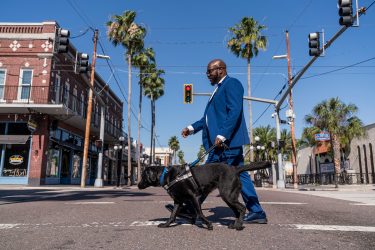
99 179
292 132
281 181
88 118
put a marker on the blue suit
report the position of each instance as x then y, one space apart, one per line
224 116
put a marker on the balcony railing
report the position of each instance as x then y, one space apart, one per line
55 95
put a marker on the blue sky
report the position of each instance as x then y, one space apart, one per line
186 35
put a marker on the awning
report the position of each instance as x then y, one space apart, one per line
14 139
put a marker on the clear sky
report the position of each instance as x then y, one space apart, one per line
186 35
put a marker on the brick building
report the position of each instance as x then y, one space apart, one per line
43 105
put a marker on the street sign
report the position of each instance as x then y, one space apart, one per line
322 136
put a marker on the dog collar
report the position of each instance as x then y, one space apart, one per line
161 178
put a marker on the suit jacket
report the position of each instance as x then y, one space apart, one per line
225 116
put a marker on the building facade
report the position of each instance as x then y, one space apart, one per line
359 161
43 110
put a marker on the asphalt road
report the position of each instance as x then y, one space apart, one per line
127 219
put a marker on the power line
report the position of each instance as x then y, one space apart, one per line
342 68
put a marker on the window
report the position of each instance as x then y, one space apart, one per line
26 77
2 83
83 105
53 162
66 94
56 89
74 105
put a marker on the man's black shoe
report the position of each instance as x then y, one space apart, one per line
184 212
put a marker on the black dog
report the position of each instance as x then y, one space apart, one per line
186 185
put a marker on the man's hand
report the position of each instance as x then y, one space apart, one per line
218 142
185 132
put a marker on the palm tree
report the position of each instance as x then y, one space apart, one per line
181 155
142 60
154 88
267 135
308 137
246 43
174 144
286 137
123 30
340 121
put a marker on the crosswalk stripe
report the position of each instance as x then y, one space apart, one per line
334 228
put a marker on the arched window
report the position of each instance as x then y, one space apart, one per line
366 166
372 163
360 164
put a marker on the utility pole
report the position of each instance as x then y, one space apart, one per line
294 146
88 116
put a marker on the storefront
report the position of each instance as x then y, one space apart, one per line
15 141
65 155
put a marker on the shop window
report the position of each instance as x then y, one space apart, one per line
2 83
25 84
77 161
53 162
16 160
18 128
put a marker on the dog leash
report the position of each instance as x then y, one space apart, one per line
192 164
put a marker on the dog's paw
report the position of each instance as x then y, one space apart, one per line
239 228
210 227
163 225
231 226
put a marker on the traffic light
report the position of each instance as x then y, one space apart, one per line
346 12
62 40
188 93
314 44
82 63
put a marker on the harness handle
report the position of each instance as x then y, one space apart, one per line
192 164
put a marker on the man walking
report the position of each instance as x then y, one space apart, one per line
223 122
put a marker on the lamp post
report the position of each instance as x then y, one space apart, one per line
118 150
290 113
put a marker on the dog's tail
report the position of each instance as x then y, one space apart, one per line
254 166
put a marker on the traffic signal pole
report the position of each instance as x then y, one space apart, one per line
296 78
88 116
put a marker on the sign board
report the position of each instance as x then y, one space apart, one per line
327 167
31 125
322 136
16 159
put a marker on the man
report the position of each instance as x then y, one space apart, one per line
223 122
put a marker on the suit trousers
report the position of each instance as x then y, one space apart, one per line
234 156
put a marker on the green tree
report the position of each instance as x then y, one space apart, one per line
142 60
246 41
122 30
339 120
181 155
267 135
174 144
201 152
153 89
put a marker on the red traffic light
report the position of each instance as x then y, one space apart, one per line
188 93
